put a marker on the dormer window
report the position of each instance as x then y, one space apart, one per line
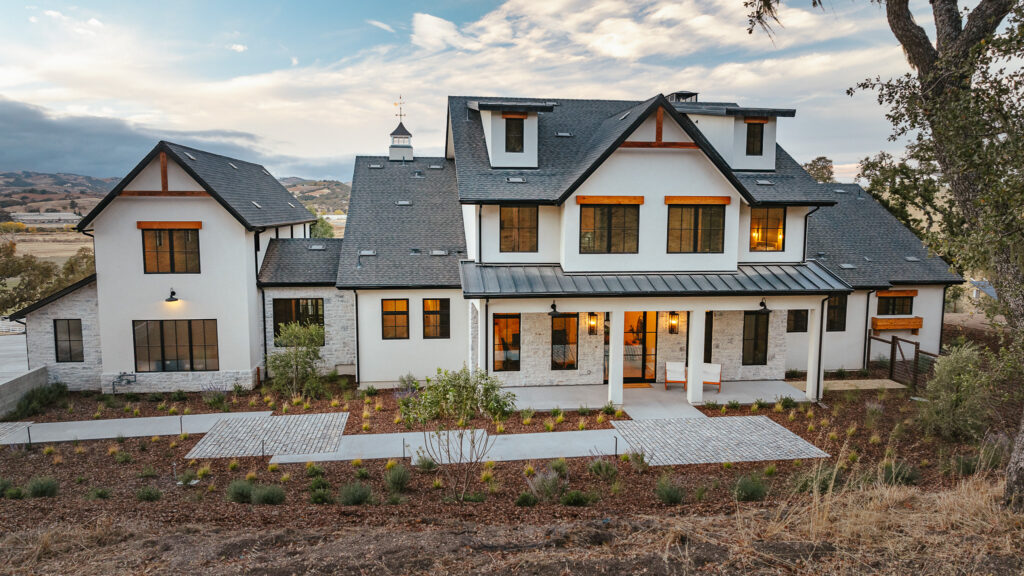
755 136
515 127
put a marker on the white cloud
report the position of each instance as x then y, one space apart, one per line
54 14
295 61
381 25
33 19
237 47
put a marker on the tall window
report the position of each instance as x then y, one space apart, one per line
767 229
755 339
564 338
518 228
696 229
506 342
302 310
175 345
796 321
755 139
895 305
609 229
514 133
836 319
394 319
67 338
436 318
170 251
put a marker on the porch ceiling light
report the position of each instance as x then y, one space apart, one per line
673 322
592 323
173 297
764 308
554 310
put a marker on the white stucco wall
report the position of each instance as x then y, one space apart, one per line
177 179
740 160
469 226
548 237
792 239
719 130
42 350
381 362
494 133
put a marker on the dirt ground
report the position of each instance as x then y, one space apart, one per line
56 246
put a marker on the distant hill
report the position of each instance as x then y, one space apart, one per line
320 196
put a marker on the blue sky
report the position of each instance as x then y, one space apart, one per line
303 87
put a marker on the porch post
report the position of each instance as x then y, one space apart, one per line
695 357
815 371
616 328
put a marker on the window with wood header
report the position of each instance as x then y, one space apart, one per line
436 318
609 229
895 305
170 251
305 311
564 341
696 229
755 139
506 342
835 320
394 319
796 321
514 130
518 228
67 340
755 338
175 345
767 229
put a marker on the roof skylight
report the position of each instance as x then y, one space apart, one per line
515 179
256 204
317 247
367 252
376 166
765 183
190 156
435 166
911 258
563 134
403 202
438 252
417 174
232 165
846 266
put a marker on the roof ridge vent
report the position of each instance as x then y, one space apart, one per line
265 172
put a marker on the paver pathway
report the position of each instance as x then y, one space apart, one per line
270 435
127 427
713 440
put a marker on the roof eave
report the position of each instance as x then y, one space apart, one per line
53 297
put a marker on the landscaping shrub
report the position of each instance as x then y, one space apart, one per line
712 405
312 470
148 494
397 479
319 483
608 409
37 400
4 485
561 467
425 463
526 499
733 404
321 496
668 490
216 400
638 460
820 479
547 485
14 493
123 458
604 469
42 487
178 396
294 367
964 465
147 472
98 494
362 473
787 402
269 494
354 494
900 473
957 394
462 395
575 498
240 491
750 488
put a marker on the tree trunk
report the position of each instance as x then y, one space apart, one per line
1013 494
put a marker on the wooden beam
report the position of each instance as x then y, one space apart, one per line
659 120
169 225
914 323
755 119
163 171
162 193
896 293
609 199
684 145
520 115
721 200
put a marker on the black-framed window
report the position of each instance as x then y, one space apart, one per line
755 339
755 139
514 129
696 229
564 341
895 305
302 310
796 321
436 318
836 317
767 229
609 229
394 319
518 228
175 345
170 251
67 340
506 342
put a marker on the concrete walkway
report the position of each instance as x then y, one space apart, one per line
127 427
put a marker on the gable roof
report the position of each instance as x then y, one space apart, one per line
401 211
248 191
597 128
301 262
400 130
52 297
860 241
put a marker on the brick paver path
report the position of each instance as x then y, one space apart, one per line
712 440
272 435
11 427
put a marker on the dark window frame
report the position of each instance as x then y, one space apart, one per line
756 246
836 315
517 239
506 365
384 314
444 319
572 341
515 141
696 229
757 338
191 346
607 213
297 314
146 254
71 356
755 138
895 305
796 321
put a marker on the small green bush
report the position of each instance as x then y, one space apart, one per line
787 402
397 478
474 497
547 485
179 396
669 491
733 404
900 473
638 460
604 469
14 493
98 494
560 467
240 491
712 405
526 499
575 498
608 409
147 472
123 458
216 400
425 463
37 400
312 471
321 496
362 473
750 488
148 494
818 480
964 465
354 494
957 394
319 483
4 485
42 487
269 494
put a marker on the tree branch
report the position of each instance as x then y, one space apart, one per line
919 49
982 22
948 24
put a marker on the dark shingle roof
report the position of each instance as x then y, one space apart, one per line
597 127
380 220
862 243
301 262
534 281
246 190
52 297
789 180
401 130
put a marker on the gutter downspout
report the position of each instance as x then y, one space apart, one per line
479 234
806 216
821 339
263 297
942 318
487 334
355 293
867 329
263 303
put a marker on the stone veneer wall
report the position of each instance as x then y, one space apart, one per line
42 350
474 337
535 355
727 347
223 380
339 351
671 347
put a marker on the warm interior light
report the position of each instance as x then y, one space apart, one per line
673 323
592 323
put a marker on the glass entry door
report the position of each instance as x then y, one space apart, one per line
640 343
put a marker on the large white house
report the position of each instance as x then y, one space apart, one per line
557 242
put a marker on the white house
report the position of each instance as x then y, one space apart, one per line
557 242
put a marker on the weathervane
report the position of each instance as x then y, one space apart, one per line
400 103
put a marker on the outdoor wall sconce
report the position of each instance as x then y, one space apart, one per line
592 323
764 308
554 310
172 297
673 322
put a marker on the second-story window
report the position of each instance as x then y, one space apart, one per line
514 127
767 229
835 320
696 229
895 305
609 229
755 139
518 229
170 251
